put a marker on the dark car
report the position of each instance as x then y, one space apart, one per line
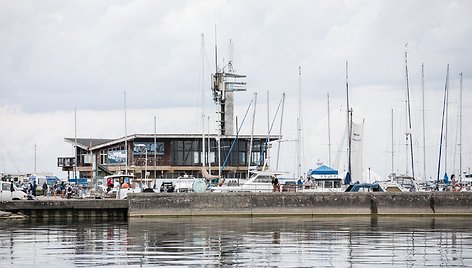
167 187
364 187
289 186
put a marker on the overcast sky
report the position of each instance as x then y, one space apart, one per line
59 55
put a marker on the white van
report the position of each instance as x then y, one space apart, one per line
9 192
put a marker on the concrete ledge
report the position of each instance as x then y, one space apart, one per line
64 208
250 204
277 204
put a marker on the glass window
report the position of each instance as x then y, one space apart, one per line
263 178
5 186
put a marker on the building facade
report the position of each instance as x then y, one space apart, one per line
167 155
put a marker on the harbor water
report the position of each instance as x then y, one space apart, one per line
238 241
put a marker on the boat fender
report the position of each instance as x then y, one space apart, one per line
199 186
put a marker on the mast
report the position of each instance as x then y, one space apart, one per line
409 137
393 170
155 148
35 147
460 129
280 131
267 160
75 143
299 167
442 127
91 166
216 53
446 123
329 136
349 122
424 124
126 139
252 135
202 100
209 145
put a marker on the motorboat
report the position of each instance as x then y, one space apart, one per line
400 183
259 181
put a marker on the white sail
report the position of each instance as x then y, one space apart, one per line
357 140
341 153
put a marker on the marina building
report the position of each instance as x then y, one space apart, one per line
151 156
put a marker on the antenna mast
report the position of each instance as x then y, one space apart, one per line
223 85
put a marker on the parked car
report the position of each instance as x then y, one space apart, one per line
167 187
9 192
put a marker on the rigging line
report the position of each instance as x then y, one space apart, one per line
270 131
456 144
237 133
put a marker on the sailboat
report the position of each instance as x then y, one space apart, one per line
442 136
405 182
354 137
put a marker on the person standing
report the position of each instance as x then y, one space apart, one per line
45 188
33 188
275 184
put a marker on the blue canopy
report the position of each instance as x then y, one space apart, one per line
323 170
446 178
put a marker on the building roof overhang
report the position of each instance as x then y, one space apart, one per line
85 143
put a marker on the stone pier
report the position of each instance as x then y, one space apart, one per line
279 204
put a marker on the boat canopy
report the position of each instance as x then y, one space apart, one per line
322 170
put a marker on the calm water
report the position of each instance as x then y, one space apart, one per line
287 241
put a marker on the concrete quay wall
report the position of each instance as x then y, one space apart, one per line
277 204
69 208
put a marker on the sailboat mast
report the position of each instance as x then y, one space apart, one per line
126 139
299 151
409 136
267 158
252 135
446 123
209 145
202 100
424 124
460 129
75 143
329 135
280 131
392 147
442 128
155 148
349 134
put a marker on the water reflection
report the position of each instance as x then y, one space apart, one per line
283 241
